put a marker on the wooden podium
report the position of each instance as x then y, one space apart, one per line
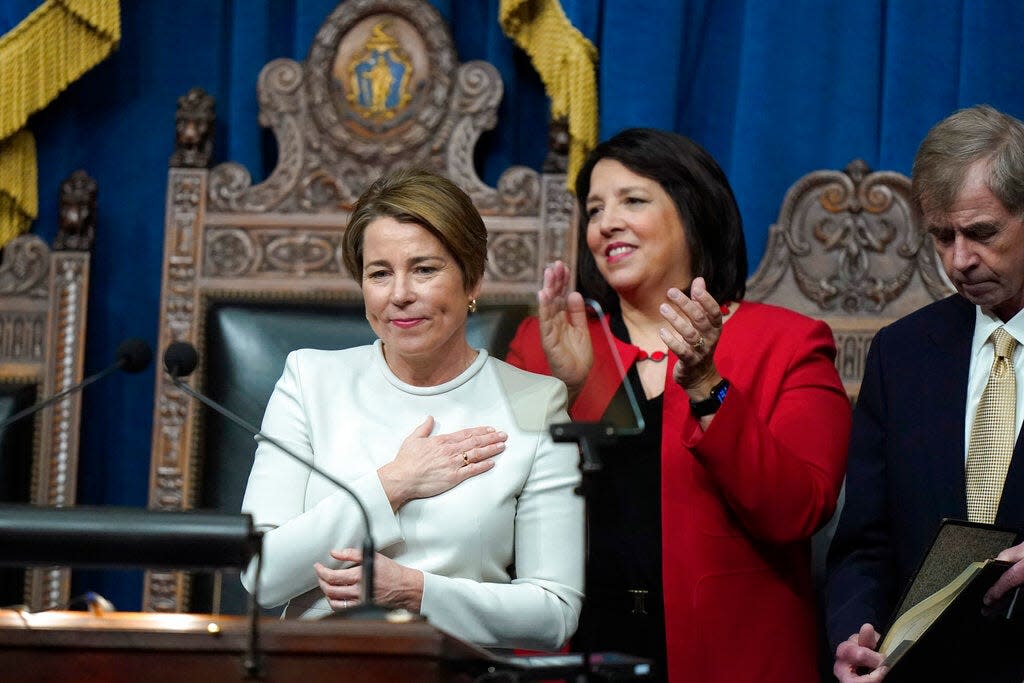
130 647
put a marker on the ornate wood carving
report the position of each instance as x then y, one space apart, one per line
851 242
174 413
848 247
266 253
42 339
557 160
193 130
25 267
77 229
381 88
559 218
55 475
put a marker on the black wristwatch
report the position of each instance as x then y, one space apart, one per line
712 403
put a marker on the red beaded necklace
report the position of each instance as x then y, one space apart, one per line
658 356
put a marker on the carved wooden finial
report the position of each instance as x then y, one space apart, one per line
77 213
557 160
857 170
193 130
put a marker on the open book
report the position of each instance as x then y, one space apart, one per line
939 631
913 623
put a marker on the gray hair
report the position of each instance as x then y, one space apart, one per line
955 144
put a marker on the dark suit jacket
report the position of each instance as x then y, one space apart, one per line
906 463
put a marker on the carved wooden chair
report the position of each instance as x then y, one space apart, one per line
252 271
848 249
43 295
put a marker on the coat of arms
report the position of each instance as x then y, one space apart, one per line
379 76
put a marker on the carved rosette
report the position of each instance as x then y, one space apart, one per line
851 240
229 253
512 256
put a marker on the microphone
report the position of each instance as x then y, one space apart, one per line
132 355
180 359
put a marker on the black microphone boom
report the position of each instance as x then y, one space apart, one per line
180 359
132 355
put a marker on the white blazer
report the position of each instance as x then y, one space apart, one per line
501 553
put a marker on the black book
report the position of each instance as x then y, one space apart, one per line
940 631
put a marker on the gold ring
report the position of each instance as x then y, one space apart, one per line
698 346
465 458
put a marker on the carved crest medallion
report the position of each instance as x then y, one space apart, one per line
379 76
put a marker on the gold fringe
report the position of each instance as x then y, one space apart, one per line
565 60
19 203
51 48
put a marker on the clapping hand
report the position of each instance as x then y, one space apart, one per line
693 330
563 329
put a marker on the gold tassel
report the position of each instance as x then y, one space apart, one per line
565 60
40 57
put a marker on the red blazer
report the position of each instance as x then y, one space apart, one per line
740 501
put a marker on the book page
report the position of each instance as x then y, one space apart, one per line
916 620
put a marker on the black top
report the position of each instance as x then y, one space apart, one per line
624 554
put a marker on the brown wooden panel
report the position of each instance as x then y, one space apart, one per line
133 647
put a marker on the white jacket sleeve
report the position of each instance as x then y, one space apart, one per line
540 608
296 538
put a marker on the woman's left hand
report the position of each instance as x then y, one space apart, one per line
395 585
694 327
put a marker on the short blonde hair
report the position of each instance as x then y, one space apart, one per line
430 201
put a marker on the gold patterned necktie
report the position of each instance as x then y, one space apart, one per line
993 435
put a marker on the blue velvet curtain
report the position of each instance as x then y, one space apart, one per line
773 88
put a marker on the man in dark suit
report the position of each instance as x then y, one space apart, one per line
912 460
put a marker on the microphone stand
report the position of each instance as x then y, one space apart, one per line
589 436
61 395
367 609
253 661
133 355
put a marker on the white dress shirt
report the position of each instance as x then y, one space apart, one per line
982 354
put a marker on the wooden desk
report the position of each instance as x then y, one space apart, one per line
131 647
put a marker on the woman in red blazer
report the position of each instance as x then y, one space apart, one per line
699 530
